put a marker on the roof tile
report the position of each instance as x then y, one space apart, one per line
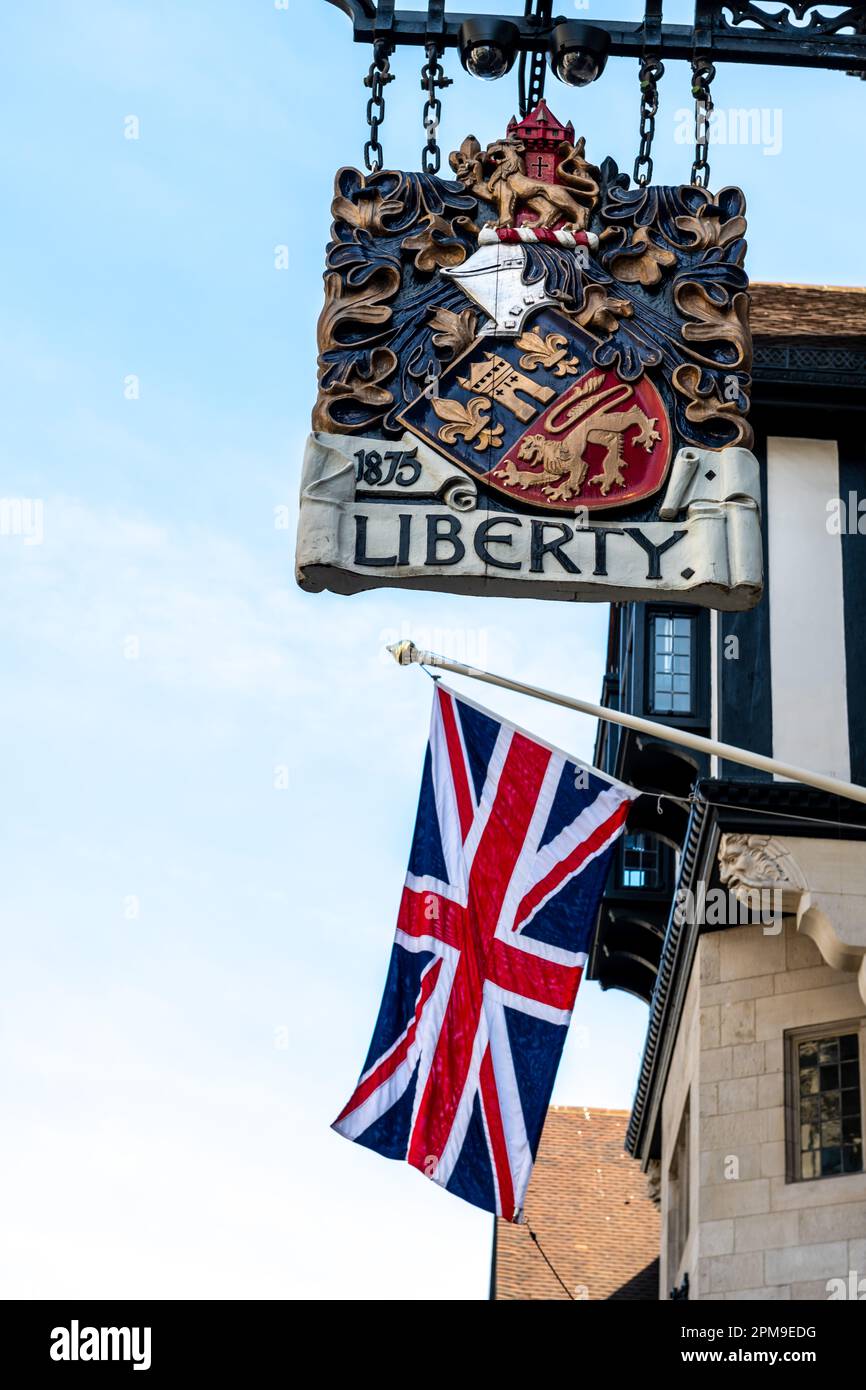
588 1206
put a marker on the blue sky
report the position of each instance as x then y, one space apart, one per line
210 778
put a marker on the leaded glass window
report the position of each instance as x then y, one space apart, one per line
829 1105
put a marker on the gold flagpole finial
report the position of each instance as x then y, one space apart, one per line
404 653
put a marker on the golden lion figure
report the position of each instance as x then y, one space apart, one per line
562 460
498 175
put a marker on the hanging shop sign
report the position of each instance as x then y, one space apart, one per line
533 381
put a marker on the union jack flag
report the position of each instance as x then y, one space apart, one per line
510 854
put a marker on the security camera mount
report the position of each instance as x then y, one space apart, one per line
725 31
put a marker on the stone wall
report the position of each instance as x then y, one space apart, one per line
753 1234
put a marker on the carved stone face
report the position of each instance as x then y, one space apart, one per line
493 278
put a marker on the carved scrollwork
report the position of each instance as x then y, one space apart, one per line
641 261
353 366
687 218
715 318
687 244
708 228
666 287
391 234
453 332
707 411
599 313
437 243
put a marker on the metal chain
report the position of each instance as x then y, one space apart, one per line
703 73
651 72
377 79
532 68
432 77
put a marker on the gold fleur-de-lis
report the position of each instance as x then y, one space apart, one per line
550 352
469 422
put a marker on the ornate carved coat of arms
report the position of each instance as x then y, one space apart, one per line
533 380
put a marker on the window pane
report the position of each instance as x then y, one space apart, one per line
848 1046
831 1162
828 1050
809 1165
830 1107
808 1080
831 1133
850 1073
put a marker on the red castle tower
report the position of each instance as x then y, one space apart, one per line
542 135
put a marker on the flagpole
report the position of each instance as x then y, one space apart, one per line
406 653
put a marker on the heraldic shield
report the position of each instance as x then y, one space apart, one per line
533 417
532 377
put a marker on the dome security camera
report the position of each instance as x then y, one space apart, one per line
488 47
578 52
